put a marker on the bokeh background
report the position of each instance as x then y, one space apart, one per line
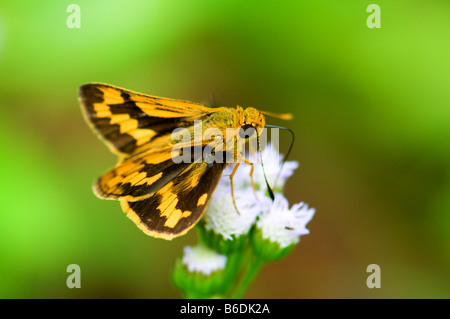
372 125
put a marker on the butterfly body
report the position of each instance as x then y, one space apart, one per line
165 198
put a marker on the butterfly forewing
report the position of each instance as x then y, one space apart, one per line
129 122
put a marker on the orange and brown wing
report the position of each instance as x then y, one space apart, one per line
176 207
139 177
127 120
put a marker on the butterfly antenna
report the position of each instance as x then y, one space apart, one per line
214 101
288 152
269 189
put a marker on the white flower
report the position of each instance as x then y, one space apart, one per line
283 225
221 215
203 259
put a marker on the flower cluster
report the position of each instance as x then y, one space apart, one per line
238 237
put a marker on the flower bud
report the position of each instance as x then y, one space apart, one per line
201 272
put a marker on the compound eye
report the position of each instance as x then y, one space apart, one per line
246 131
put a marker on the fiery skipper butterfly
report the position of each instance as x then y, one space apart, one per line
163 195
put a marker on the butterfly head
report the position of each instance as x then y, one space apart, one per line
253 118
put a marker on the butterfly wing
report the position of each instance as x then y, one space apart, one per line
163 198
176 207
129 122
138 177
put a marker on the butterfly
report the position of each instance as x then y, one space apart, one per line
162 186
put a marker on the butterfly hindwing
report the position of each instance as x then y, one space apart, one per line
129 121
177 206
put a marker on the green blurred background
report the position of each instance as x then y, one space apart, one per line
372 125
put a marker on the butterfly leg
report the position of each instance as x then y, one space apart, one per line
251 176
246 161
232 186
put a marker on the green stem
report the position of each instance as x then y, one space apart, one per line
249 276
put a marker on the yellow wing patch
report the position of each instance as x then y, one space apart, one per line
202 200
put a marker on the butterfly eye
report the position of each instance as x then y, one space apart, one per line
246 131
